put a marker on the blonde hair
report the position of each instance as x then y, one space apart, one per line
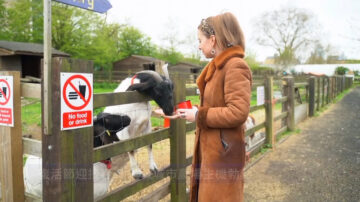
226 29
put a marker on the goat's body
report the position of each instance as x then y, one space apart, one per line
140 114
33 177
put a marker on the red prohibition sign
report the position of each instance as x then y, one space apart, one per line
1 91
68 82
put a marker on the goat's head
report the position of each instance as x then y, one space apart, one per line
106 126
159 88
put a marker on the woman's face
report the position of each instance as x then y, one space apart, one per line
206 44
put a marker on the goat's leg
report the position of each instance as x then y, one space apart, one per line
135 170
153 167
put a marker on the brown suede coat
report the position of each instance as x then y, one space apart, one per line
219 156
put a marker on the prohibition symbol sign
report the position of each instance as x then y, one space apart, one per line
77 91
4 92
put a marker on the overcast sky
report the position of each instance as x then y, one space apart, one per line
157 18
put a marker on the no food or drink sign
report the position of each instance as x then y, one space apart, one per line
76 100
6 101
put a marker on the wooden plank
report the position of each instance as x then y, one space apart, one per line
269 121
32 198
255 128
257 107
303 84
130 189
189 160
190 126
32 147
31 90
289 89
178 147
281 100
107 151
11 155
158 194
281 116
281 130
109 99
256 148
67 155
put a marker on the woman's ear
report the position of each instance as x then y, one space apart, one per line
213 40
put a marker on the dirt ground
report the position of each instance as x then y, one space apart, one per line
321 163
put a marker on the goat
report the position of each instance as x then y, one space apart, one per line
105 128
160 89
253 138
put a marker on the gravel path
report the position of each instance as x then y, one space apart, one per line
321 163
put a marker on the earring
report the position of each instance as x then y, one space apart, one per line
212 52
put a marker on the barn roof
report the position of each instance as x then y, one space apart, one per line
22 48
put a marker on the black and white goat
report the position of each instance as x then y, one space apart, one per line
105 128
160 89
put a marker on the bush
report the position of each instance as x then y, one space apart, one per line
340 70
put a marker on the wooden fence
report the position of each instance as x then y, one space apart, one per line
73 150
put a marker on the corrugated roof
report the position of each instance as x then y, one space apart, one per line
22 48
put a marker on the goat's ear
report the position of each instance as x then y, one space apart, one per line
141 86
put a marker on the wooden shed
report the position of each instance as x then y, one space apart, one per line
135 63
185 67
188 70
24 57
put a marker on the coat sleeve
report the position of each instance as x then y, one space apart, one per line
237 94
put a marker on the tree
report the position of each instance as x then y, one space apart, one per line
341 70
3 20
133 41
25 21
317 56
288 31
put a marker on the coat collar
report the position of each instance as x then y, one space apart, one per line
217 63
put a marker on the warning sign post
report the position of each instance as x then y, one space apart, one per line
76 100
6 101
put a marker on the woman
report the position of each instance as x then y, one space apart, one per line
225 90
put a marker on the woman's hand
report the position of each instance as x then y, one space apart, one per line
188 114
162 114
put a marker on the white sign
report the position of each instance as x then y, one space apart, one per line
6 101
76 100
260 95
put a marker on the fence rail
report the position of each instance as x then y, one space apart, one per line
318 92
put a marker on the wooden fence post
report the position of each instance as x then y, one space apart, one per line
328 81
11 150
178 147
269 125
318 94
323 91
290 106
67 155
311 96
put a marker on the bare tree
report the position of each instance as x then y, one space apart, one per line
288 31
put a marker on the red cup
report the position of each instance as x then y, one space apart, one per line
166 123
184 105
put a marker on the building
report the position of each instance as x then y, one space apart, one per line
24 57
188 70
